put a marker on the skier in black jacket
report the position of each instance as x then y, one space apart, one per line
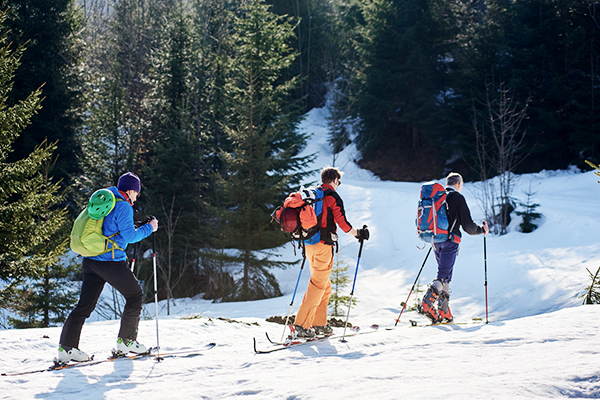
445 253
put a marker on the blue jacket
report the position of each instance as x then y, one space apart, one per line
120 219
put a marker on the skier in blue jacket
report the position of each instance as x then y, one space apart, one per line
104 268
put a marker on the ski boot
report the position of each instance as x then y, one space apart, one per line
125 346
445 316
302 333
73 354
427 307
323 330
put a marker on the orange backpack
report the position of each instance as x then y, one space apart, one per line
298 216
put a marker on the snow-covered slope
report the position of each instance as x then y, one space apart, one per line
540 341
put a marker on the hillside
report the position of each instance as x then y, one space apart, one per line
540 342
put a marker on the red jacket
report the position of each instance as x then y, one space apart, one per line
333 215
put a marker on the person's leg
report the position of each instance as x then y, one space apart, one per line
444 304
445 255
91 288
320 257
320 318
119 276
446 259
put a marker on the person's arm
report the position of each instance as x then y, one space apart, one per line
465 219
339 214
126 227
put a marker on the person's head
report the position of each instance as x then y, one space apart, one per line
455 180
331 176
130 184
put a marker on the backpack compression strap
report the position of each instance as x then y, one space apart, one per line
109 239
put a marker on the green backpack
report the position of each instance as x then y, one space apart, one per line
87 238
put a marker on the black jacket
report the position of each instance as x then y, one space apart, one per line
459 211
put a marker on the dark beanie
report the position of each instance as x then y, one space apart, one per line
129 181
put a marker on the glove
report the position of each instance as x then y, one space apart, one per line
144 222
362 234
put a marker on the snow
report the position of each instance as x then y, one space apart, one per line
540 342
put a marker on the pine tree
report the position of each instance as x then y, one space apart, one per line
30 221
530 214
51 30
180 104
592 292
46 299
115 137
262 163
404 62
339 281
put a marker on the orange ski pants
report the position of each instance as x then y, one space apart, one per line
313 310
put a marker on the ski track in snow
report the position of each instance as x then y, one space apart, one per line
540 343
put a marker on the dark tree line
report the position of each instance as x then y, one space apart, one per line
202 99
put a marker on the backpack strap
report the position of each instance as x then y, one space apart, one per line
451 236
109 239
326 192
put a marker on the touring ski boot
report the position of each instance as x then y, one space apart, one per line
301 332
445 316
73 354
323 330
427 306
125 346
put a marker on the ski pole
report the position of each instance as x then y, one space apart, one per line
413 287
287 318
133 259
485 269
158 358
343 339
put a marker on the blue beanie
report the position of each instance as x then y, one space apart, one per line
129 181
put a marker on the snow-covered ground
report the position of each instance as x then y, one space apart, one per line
540 342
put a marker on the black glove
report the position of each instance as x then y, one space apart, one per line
144 222
362 234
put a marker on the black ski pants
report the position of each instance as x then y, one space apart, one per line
95 275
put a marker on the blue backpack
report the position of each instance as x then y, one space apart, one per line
432 215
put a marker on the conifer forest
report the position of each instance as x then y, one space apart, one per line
202 100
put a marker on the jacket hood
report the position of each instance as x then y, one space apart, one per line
116 192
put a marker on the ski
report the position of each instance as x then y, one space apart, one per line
57 366
292 340
300 342
290 344
416 324
184 353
